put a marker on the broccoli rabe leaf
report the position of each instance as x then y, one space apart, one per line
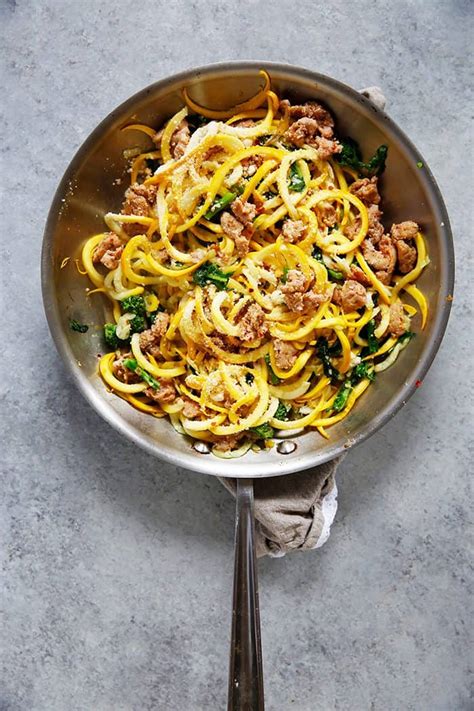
342 396
351 157
408 335
296 181
284 276
335 349
210 273
134 304
110 335
322 351
138 324
274 379
333 274
219 205
376 164
78 327
132 364
361 371
195 121
264 431
372 340
282 411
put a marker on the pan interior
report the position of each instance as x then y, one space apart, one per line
94 184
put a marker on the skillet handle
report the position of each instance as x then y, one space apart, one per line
245 673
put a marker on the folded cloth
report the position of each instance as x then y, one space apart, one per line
293 512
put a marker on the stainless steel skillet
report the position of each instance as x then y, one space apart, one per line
95 181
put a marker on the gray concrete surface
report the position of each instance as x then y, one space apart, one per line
117 569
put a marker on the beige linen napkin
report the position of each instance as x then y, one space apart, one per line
293 512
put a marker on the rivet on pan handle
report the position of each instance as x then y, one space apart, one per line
245 672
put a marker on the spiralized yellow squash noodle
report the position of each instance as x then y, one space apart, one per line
253 287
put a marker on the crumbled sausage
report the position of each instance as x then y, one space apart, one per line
366 189
108 251
375 228
285 354
402 235
234 229
251 164
228 442
360 276
150 339
353 296
245 212
138 201
231 226
165 394
297 293
327 214
404 230
239 226
180 140
293 230
312 125
336 297
190 408
398 323
302 131
252 324
316 112
122 372
381 258
406 256
326 148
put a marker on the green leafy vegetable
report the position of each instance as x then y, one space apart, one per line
249 378
282 411
376 164
371 338
196 121
132 364
322 351
332 273
153 163
296 181
342 396
284 276
351 156
408 335
76 326
361 371
261 140
274 379
138 324
210 273
264 431
134 305
110 335
219 205
335 349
